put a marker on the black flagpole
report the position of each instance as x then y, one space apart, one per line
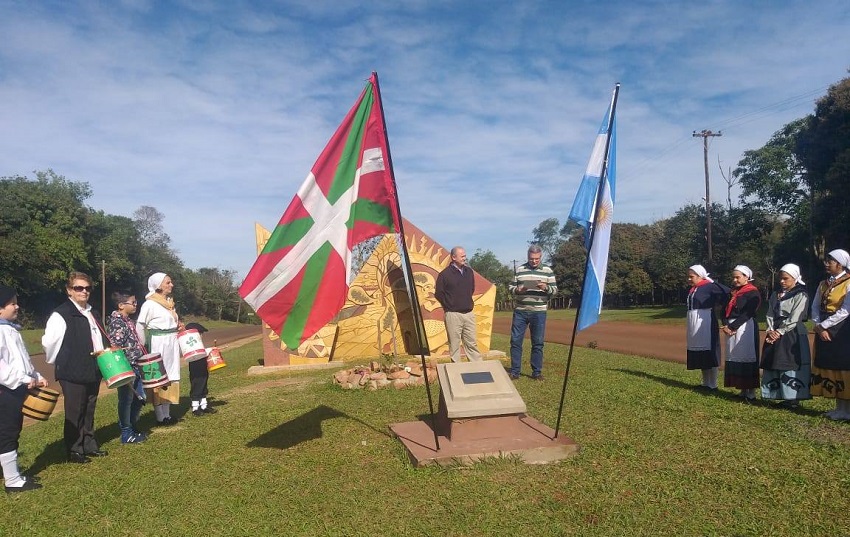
598 204
421 338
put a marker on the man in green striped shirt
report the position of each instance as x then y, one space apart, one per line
533 286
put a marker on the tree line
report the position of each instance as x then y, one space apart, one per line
793 208
47 231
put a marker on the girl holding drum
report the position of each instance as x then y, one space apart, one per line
158 325
131 397
17 374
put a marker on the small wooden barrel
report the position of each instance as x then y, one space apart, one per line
40 403
214 359
191 345
153 370
115 368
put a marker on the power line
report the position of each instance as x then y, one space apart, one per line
726 124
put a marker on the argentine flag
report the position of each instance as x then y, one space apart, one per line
584 213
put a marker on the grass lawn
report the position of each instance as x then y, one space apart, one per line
290 454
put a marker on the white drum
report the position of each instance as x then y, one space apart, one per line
191 345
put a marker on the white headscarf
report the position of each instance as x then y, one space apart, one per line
841 256
700 271
794 271
154 282
745 270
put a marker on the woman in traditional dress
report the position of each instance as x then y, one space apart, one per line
831 371
158 325
742 334
786 358
703 333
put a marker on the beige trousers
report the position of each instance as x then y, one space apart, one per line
460 327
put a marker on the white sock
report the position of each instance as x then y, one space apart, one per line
166 410
203 403
709 377
9 462
157 409
196 405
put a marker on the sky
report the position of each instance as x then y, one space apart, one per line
214 112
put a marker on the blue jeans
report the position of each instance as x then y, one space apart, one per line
536 322
130 402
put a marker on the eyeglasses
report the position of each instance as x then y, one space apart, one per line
81 288
131 303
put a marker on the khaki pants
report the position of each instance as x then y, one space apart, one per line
460 327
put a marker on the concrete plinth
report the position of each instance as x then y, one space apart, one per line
475 439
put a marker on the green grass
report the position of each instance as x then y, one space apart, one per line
290 454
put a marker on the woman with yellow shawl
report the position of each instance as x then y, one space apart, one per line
831 371
158 325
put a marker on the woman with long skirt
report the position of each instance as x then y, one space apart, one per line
786 357
742 335
831 371
703 333
158 325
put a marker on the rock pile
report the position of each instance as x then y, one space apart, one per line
377 375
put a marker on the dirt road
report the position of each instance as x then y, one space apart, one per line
661 341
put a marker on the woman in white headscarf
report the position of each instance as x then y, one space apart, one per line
786 357
742 334
158 325
703 333
831 371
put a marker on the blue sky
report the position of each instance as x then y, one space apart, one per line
214 112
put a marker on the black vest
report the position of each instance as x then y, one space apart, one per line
74 361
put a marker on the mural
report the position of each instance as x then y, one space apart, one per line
376 318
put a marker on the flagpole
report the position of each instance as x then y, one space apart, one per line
421 338
597 206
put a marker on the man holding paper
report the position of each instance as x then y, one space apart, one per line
533 286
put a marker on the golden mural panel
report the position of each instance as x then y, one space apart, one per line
376 318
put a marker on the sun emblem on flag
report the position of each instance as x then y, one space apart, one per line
605 213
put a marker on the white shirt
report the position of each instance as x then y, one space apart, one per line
839 315
15 365
54 333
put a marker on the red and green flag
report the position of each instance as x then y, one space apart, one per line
300 280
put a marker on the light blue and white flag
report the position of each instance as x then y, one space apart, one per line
584 213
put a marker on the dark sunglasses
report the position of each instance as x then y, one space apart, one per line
81 288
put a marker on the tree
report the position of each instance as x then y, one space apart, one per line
148 221
772 177
42 227
486 264
547 236
568 265
823 148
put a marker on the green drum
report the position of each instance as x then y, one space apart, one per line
115 368
153 370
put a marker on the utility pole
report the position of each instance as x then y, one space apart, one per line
705 134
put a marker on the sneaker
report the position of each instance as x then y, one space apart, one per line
537 377
166 421
197 412
513 376
134 439
209 410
